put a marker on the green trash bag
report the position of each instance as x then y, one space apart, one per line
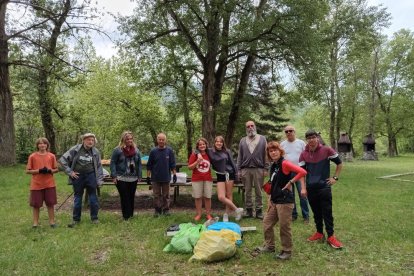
185 239
215 245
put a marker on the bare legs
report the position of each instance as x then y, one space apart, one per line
225 195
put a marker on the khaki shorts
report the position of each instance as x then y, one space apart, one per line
202 189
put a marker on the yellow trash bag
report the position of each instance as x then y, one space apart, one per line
215 245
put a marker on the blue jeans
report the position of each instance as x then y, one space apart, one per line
87 181
303 202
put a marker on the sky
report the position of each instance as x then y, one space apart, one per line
402 13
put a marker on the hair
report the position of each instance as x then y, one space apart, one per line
42 140
123 138
273 145
202 139
222 140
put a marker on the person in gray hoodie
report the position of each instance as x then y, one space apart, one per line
82 163
252 167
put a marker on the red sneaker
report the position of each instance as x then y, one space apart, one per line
209 217
332 241
197 217
316 237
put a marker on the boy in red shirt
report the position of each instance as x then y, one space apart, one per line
42 165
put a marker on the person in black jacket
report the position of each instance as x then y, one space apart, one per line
281 201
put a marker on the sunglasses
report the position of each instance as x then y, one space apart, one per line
289 131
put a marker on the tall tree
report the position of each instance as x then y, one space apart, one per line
221 33
395 90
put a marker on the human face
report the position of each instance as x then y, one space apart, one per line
89 142
161 140
290 133
274 154
218 144
202 146
129 139
42 146
250 128
313 141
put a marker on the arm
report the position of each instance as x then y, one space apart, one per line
66 161
232 162
139 165
287 168
334 157
112 165
193 161
99 168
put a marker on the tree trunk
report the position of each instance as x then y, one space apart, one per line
237 99
187 118
45 106
332 94
7 131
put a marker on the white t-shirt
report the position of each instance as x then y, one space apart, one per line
293 150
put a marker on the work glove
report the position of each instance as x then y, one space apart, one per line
148 180
174 178
44 170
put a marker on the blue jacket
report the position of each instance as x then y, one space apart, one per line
69 159
119 163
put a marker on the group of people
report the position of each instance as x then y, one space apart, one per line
287 164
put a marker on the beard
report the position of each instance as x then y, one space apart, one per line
251 132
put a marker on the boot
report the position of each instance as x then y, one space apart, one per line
248 213
259 214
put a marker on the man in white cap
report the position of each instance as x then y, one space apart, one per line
82 163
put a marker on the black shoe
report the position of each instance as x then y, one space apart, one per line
54 225
248 213
73 224
166 212
294 218
95 221
259 214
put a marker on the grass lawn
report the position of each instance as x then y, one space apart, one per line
374 218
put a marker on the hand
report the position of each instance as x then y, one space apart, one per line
74 175
43 170
304 193
148 180
331 181
174 178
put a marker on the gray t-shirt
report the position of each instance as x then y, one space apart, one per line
85 161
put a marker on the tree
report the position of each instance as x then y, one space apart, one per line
395 86
223 36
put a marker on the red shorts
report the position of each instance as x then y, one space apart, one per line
47 195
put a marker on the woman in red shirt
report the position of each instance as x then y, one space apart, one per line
42 165
201 179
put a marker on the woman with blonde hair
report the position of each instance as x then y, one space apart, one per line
201 179
126 171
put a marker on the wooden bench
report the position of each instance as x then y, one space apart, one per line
107 181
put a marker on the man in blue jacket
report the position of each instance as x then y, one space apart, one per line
160 165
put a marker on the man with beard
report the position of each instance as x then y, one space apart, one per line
252 167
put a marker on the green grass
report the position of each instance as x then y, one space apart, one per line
374 218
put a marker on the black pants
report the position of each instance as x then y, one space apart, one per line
320 201
126 192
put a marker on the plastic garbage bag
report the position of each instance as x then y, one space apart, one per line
215 245
185 239
229 226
